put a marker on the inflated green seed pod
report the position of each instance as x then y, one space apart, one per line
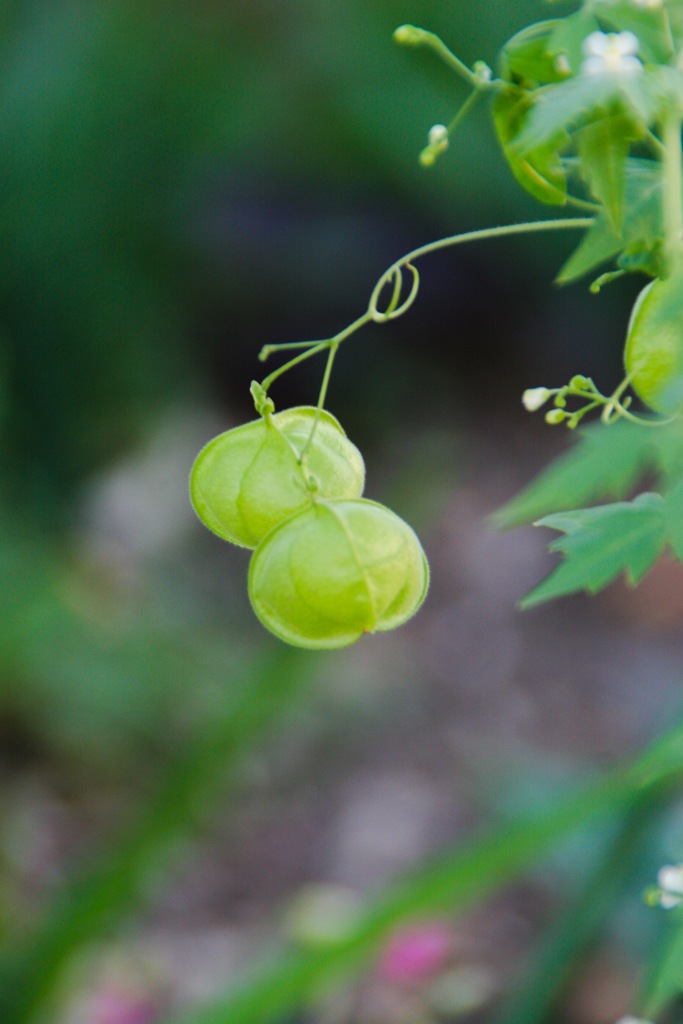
653 354
336 570
247 480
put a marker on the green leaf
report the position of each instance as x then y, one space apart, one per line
641 230
603 149
563 106
600 543
604 462
645 23
599 244
568 35
525 57
574 102
639 260
541 173
673 506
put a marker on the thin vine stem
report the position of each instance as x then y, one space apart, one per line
464 109
332 352
393 276
672 202
433 41
583 204
481 234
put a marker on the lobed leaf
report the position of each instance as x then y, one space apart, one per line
604 462
565 105
600 543
641 229
599 244
603 148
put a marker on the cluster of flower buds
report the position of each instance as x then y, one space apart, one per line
579 387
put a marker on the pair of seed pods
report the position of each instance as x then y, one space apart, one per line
328 565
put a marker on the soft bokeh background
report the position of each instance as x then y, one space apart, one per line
180 183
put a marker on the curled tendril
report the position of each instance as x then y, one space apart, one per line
393 276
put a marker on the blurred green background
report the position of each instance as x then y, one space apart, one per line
181 183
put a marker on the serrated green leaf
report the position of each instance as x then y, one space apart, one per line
565 105
541 173
642 226
599 244
575 102
603 149
604 462
600 543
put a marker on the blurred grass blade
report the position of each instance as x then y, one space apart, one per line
664 978
561 949
96 900
452 883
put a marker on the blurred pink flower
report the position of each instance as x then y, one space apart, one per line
415 954
114 1005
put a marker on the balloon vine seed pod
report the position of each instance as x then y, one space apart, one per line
247 480
653 354
335 570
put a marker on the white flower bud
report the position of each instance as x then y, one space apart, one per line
438 136
534 398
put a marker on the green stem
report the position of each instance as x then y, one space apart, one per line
525 228
583 204
436 44
312 349
393 275
268 350
464 110
333 349
672 204
326 376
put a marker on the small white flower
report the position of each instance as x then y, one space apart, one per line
670 881
610 53
534 398
632 1020
438 136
